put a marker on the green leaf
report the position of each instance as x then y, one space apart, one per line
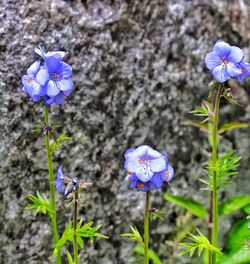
40 203
67 235
238 235
224 167
194 207
196 123
151 254
200 242
234 204
59 142
88 231
135 235
227 94
241 256
155 213
233 125
69 258
246 209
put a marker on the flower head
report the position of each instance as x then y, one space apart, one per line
52 81
244 67
34 81
68 185
147 168
49 54
222 61
60 77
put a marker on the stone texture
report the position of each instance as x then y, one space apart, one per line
138 70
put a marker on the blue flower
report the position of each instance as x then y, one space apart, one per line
49 54
51 81
60 76
62 180
147 168
34 81
223 61
245 70
59 180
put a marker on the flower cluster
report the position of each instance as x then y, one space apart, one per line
51 80
69 184
147 168
226 62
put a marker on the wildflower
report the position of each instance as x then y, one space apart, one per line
49 54
244 67
147 168
60 76
223 61
69 184
52 81
34 81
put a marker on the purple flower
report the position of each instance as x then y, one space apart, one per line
34 81
147 168
223 61
59 180
51 81
63 180
60 77
49 54
245 70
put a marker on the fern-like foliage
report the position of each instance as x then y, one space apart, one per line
199 243
82 231
205 111
135 235
59 142
224 167
39 203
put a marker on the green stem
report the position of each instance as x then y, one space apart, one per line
146 229
51 184
214 160
75 245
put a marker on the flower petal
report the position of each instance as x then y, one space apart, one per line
66 70
236 55
52 88
222 48
40 52
128 152
66 85
168 174
157 181
49 100
36 89
153 154
232 69
53 64
59 99
159 164
212 60
34 68
144 173
42 77
220 73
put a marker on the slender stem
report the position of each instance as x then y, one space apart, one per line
146 229
214 160
75 226
51 185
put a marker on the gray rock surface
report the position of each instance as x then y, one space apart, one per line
138 71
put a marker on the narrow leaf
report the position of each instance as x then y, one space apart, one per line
151 254
194 207
233 125
234 204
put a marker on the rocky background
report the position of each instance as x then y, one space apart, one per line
138 71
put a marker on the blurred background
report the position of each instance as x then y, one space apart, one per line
138 71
